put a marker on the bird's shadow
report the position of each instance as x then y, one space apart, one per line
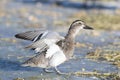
7 65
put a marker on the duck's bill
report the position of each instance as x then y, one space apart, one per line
88 27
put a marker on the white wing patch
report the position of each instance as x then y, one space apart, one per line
44 34
52 50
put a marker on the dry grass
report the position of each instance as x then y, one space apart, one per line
108 55
107 76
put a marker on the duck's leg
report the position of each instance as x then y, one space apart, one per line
59 71
48 71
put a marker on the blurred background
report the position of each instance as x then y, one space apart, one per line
97 52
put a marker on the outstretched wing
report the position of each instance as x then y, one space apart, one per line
41 39
30 35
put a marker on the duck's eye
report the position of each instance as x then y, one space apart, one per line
79 23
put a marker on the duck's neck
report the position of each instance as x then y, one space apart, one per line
69 44
71 35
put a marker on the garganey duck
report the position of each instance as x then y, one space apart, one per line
51 48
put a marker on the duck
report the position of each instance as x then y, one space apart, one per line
50 47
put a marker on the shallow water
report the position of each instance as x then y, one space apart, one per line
12 52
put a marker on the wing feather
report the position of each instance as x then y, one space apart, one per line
42 40
29 35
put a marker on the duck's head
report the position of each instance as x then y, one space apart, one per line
76 26
79 24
